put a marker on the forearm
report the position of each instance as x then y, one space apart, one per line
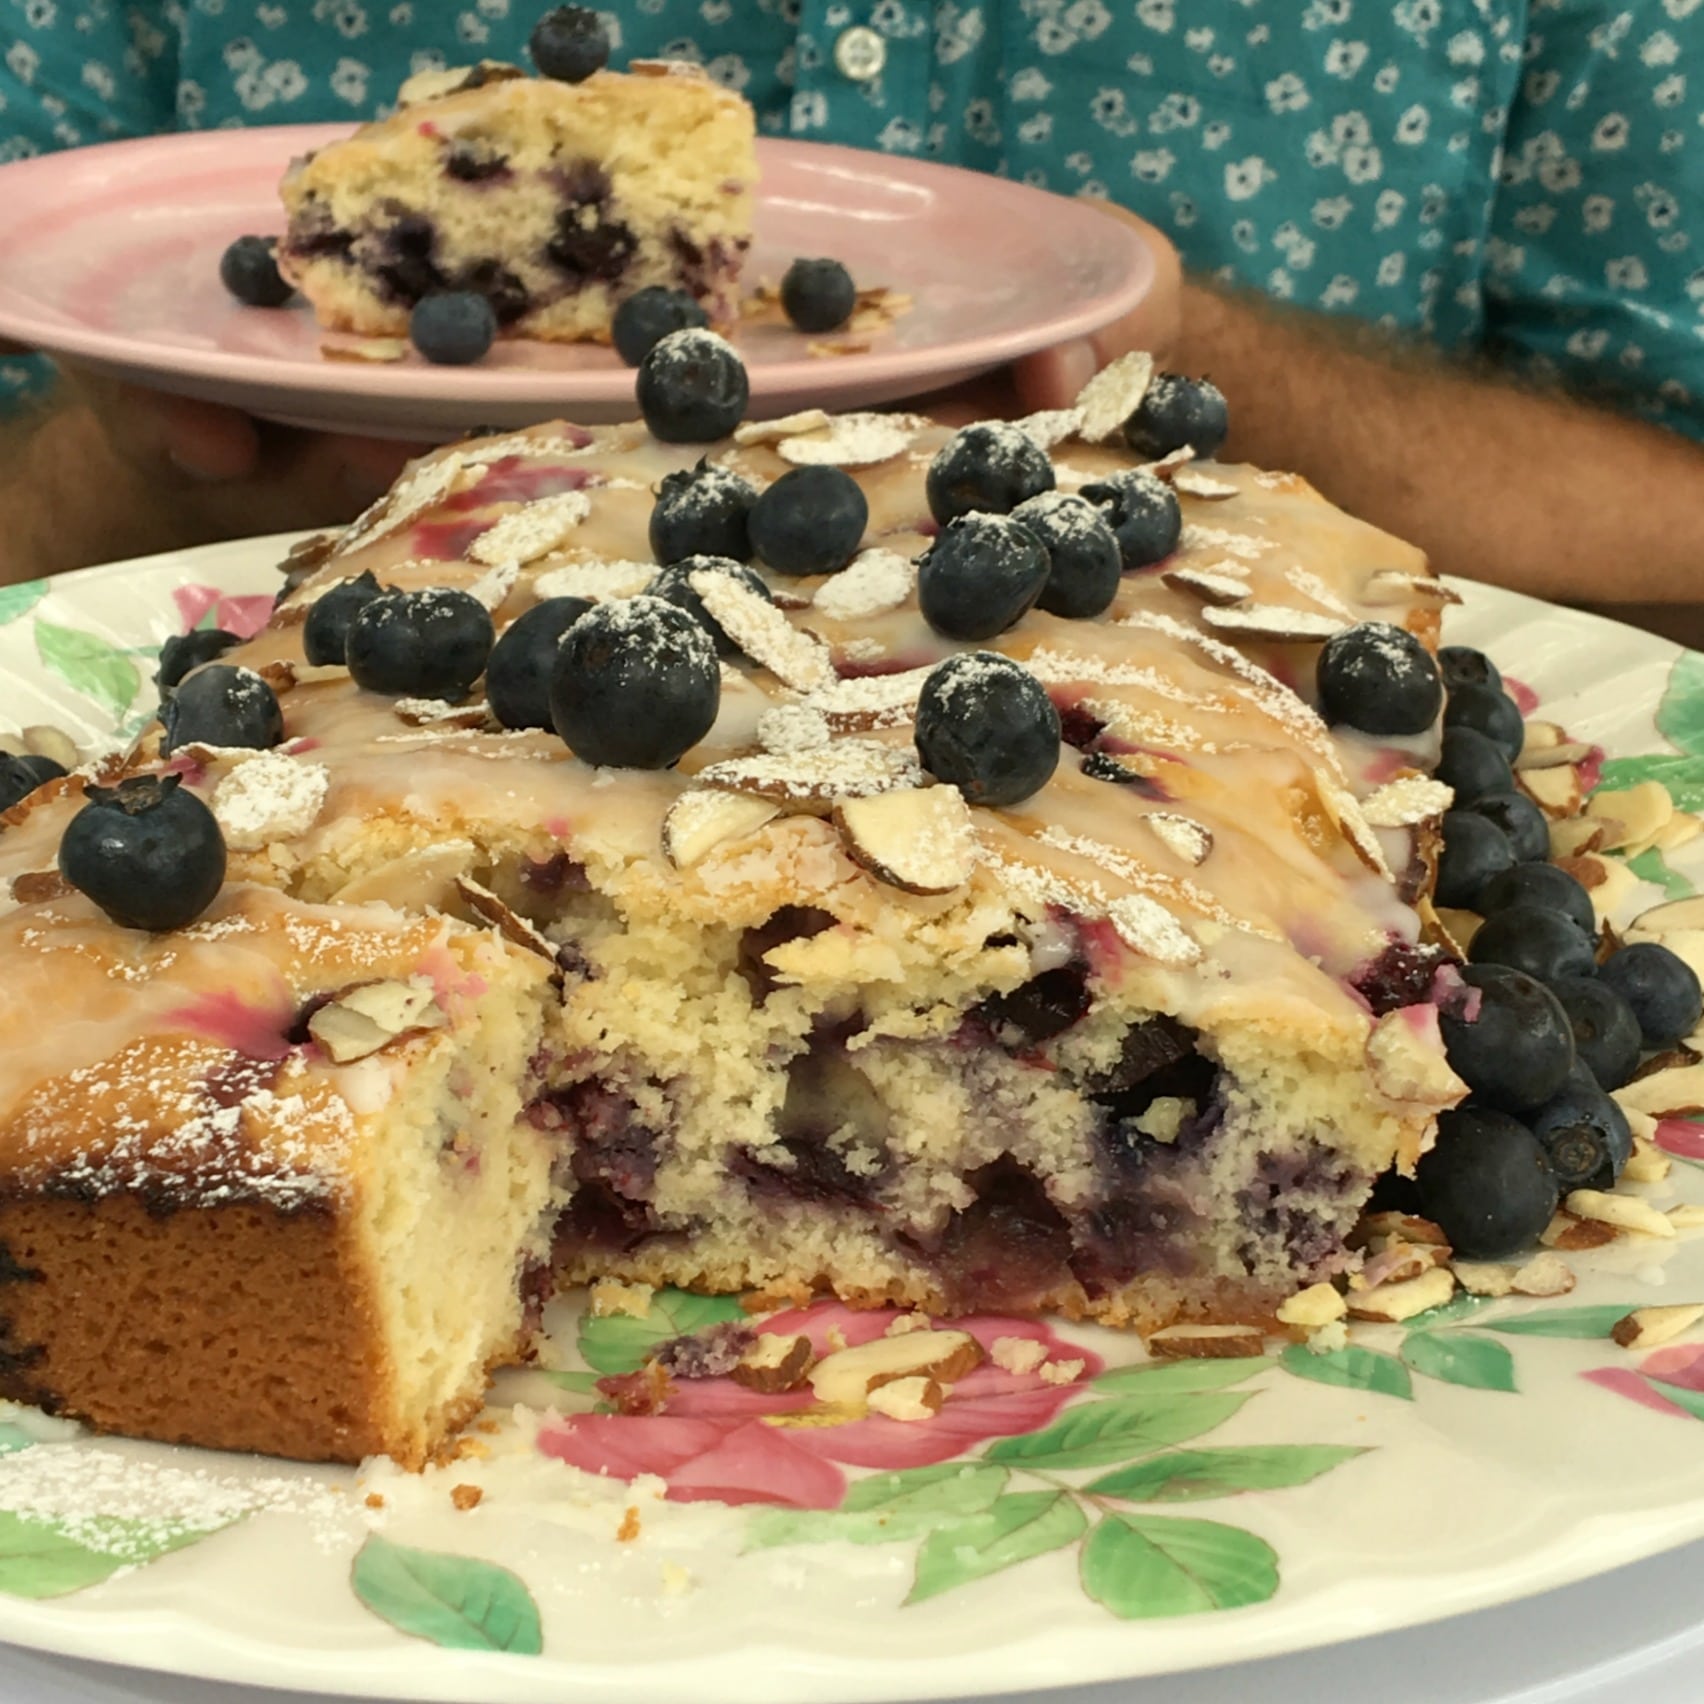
1529 490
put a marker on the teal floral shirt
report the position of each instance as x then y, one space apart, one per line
1516 177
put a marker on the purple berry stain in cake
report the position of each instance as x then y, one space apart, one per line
1403 974
790 923
1008 1248
832 1133
709 1354
515 479
446 541
1035 1011
257 1029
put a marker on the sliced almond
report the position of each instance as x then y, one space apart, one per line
1205 1342
1609 882
918 840
1650 1328
1212 585
1676 1093
1398 586
1624 1212
1375 1230
1484 1277
1189 839
1050 427
377 351
1573 1235
421 880
1274 621
1575 836
1646 1164
852 440
42 739
865 702
848 769
847 1376
1396 1302
1192 482
774 1363
517 930
1681 829
1641 810
1545 1274
793 656
1147 927
787 426
1551 756
1671 915
1313 1307
1556 792
1397 1263
1114 394
438 713
704 818
372 1015
38 887
1689 1216
1406 802
910 1399
1408 1064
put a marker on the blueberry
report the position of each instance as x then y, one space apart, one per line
1489 711
636 684
692 388
1143 512
431 643
986 726
147 852
674 585
980 576
20 776
818 295
1606 1034
1533 938
1379 679
453 328
1584 1133
1541 884
648 316
1521 820
810 521
1175 411
517 677
325 634
1461 666
249 270
1660 987
185 651
989 467
1084 561
1472 766
222 706
702 511
1517 1047
1475 852
1486 1183
569 43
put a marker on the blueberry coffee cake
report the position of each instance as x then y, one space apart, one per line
552 197
971 869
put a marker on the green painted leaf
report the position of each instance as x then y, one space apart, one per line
457 1602
1025 1524
14 1438
1100 1433
96 668
1682 775
1680 716
1143 1567
20 599
1462 1358
1186 1476
39 1559
1450 1312
885 1508
1652 866
1353 1368
618 1343
1565 1322
1173 1377
582 1384
1691 1400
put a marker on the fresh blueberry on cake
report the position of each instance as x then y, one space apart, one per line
453 328
554 198
818 295
249 270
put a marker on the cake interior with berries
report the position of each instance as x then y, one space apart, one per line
553 198
658 865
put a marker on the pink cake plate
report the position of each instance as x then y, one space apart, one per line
109 257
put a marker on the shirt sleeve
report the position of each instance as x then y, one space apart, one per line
1592 274
77 74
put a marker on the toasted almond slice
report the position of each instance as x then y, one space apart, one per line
1193 482
1538 735
1146 926
704 818
417 881
378 351
852 440
1377 1229
1408 1064
1205 1342
1274 621
1624 1212
1641 810
1572 1235
1406 801
1396 1302
848 769
1681 829
1549 757
775 1362
764 633
42 739
1189 839
372 1015
1484 1277
846 1377
1674 1093
1459 927
1169 465
1689 1216
909 1399
1396 1263
787 426
871 701
1607 880
1397 586
1216 584
39 887
1671 915
1051 426
514 928
1650 1328
437 713
920 840
1313 1307
1647 1163
1671 1059
1556 792
1545 1274
1114 394
1575 836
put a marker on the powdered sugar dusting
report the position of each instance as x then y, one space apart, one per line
763 632
1273 621
1406 801
1114 394
1244 546
1192 482
1221 583
1051 426
522 444
787 729
788 426
874 582
423 489
268 798
853 440
597 582
870 701
846 769
493 587
531 531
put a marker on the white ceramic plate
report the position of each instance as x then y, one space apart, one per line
1130 1521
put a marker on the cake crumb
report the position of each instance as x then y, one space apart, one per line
904 1324
908 1400
1018 1355
1060 1372
375 1500
466 1497
836 1339
629 1529
609 1297
1330 1337
489 1427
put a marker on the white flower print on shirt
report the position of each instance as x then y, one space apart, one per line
1345 58
1287 93
1340 292
1244 179
1152 165
1412 127
1388 208
1036 128
1391 269
1628 272
1386 78
1215 135
1362 165
1030 85
1610 133
1159 15
1597 212
349 81
1325 14
1332 214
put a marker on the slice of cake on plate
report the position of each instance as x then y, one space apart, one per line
1071 963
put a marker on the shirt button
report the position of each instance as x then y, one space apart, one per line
860 54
